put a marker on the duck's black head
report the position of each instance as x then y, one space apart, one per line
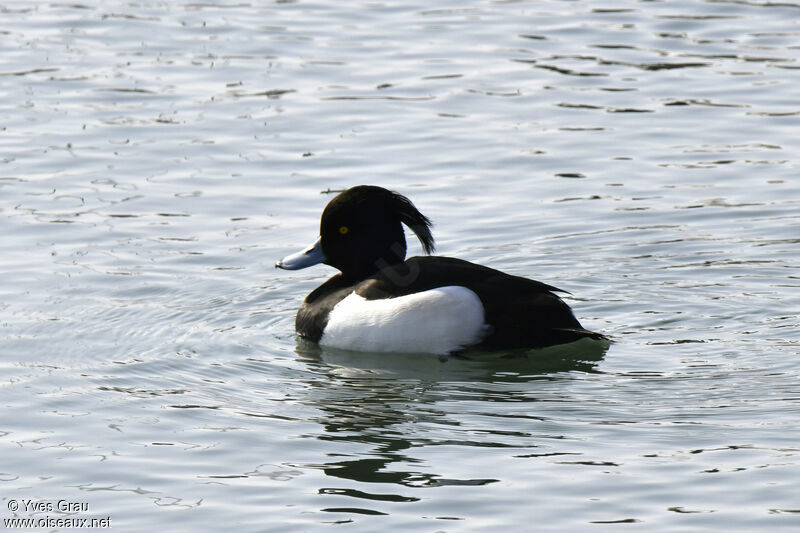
361 231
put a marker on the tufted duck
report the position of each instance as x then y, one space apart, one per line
384 303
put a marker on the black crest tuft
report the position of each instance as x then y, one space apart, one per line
411 217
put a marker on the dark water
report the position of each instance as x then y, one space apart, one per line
157 158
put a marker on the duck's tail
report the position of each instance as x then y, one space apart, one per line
574 334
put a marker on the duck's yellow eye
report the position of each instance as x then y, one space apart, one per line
343 230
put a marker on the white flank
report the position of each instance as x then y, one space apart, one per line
437 321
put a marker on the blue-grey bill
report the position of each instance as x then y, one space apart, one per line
313 255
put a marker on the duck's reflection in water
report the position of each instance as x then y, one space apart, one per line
388 411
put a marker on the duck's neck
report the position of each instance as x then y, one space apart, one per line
393 256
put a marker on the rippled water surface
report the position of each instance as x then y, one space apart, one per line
156 158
